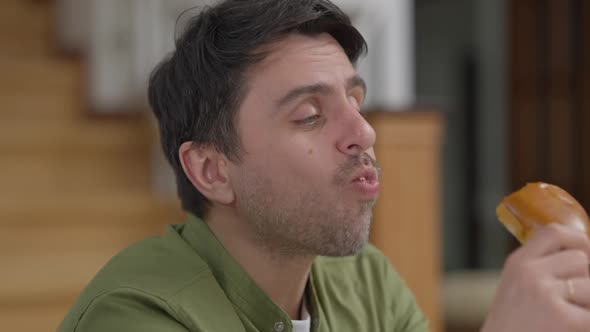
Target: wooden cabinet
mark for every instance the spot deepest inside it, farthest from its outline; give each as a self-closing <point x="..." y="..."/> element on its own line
<point x="406" y="225"/>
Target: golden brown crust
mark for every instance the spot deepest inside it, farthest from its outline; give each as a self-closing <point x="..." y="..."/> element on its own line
<point x="540" y="204"/>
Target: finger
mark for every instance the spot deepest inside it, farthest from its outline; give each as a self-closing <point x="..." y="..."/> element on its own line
<point x="577" y="291"/>
<point x="565" y="264"/>
<point x="576" y="318"/>
<point x="556" y="237"/>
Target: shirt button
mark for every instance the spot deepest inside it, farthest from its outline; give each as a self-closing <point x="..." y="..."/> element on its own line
<point x="279" y="326"/>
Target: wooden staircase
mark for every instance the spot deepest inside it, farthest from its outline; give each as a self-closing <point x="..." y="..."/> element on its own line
<point x="74" y="188"/>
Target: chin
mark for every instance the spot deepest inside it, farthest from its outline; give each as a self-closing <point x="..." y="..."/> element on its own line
<point x="349" y="240"/>
<point x="350" y="249"/>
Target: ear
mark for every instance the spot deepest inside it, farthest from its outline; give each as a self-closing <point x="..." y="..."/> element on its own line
<point x="207" y="170"/>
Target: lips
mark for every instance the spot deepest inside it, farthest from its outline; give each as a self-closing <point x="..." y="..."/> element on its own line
<point x="366" y="176"/>
<point x="366" y="182"/>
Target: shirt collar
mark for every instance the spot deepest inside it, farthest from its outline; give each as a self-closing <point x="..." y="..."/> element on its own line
<point x="240" y="289"/>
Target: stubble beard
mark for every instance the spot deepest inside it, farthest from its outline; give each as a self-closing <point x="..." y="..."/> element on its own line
<point x="288" y="223"/>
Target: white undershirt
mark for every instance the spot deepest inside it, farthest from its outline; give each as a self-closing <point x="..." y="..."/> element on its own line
<point x="305" y="324"/>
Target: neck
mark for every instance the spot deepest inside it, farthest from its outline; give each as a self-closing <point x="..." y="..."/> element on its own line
<point x="282" y="278"/>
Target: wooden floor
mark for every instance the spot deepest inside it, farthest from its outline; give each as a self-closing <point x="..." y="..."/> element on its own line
<point x="74" y="189"/>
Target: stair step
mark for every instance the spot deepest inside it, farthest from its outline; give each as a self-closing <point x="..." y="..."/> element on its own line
<point x="93" y="208"/>
<point x="60" y="259"/>
<point x="26" y="37"/>
<point x="29" y="318"/>
<point x="75" y="173"/>
<point x="75" y="134"/>
<point x="29" y="76"/>
<point x="47" y="276"/>
<point x="24" y="108"/>
<point x="48" y="238"/>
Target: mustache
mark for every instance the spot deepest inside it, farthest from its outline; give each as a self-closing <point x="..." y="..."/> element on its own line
<point x="352" y="165"/>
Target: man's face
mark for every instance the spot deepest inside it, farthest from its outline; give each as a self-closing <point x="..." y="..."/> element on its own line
<point x="307" y="180"/>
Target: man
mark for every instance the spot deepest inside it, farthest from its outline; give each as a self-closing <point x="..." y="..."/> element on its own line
<point x="259" y="111"/>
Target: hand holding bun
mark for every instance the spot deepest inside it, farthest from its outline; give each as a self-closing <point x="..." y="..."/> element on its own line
<point x="545" y="283"/>
<point x="538" y="204"/>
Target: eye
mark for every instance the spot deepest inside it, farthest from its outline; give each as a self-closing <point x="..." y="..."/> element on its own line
<point x="309" y="114"/>
<point x="356" y="102"/>
<point x="310" y="120"/>
<point x="357" y="97"/>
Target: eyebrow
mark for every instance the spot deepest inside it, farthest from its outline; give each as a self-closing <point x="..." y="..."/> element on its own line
<point x="321" y="88"/>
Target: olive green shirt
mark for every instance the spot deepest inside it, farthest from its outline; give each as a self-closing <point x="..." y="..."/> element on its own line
<point x="185" y="280"/>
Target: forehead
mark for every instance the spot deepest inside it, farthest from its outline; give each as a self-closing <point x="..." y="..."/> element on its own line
<point x="299" y="59"/>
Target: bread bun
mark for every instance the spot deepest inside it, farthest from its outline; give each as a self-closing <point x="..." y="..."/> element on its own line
<point x="539" y="204"/>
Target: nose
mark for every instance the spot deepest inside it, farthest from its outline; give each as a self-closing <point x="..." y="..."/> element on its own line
<point x="357" y="135"/>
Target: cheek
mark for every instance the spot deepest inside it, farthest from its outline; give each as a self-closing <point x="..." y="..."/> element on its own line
<point x="308" y="166"/>
<point x="289" y="158"/>
<point x="310" y="154"/>
<point x="291" y="168"/>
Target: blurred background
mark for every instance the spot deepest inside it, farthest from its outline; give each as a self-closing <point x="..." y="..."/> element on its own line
<point x="477" y="96"/>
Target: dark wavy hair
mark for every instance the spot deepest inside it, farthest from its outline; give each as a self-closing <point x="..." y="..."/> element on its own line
<point x="196" y="91"/>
